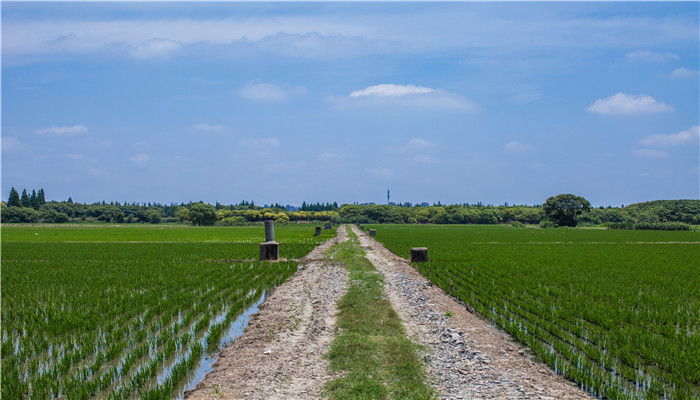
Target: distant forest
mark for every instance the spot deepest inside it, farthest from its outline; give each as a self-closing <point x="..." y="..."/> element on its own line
<point x="33" y="208"/>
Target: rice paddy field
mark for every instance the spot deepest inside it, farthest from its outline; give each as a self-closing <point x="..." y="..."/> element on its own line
<point x="118" y="312"/>
<point x="617" y="312"/>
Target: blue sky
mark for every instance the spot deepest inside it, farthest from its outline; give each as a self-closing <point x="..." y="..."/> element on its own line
<point x="291" y="102"/>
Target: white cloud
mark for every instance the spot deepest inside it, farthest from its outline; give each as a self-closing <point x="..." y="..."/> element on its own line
<point x="647" y="153"/>
<point x="683" y="72"/>
<point x="80" y="36"/>
<point x="206" y="127"/>
<point x="351" y="32"/>
<point x="263" y="142"/>
<point x="75" y="156"/>
<point x="141" y="159"/>
<point x="154" y="48"/>
<point x="391" y="90"/>
<point x="419" y="143"/>
<point x="63" y="130"/>
<point x="323" y="36"/>
<point x="10" y="143"/>
<point x="381" y="172"/>
<point x="517" y="147"/>
<point x="390" y="95"/>
<point x="648" y="55"/>
<point x="683" y="137"/>
<point x="328" y="156"/>
<point x="625" y="104"/>
<point x="270" y="91"/>
<point x="425" y="159"/>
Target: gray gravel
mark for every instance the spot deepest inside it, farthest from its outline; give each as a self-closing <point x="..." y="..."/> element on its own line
<point x="465" y="357"/>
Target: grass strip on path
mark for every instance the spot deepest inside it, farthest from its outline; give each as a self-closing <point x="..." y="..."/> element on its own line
<point x="378" y="360"/>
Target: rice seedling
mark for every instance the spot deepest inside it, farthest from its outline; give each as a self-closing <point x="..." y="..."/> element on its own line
<point x="111" y="312"/>
<point x="617" y="312"/>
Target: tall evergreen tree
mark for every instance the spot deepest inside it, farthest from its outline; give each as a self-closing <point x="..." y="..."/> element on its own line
<point x="25" y="199"/>
<point x="34" y="200"/>
<point x="42" y="197"/>
<point x="13" y="200"/>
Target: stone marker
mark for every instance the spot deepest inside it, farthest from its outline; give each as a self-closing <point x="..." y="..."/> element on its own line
<point x="419" y="254"/>
<point x="328" y="226"/>
<point x="362" y="227"/>
<point x="372" y="232"/>
<point x="269" y="231"/>
<point x="269" y="251"/>
<point x="318" y="231"/>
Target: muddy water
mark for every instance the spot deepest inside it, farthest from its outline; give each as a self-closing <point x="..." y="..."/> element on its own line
<point x="206" y="362"/>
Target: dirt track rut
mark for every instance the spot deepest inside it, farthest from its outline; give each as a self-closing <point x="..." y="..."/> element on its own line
<point x="280" y="354"/>
<point x="466" y="357"/>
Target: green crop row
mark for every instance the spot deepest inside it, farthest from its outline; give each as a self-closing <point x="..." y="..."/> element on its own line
<point x="103" y="312"/>
<point x="157" y="233"/>
<point x="617" y="312"/>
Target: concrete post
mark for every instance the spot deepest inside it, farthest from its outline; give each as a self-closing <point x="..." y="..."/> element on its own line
<point x="318" y="231"/>
<point x="372" y="232"/>
<point x="270" y="231"/>
<point x="419" y="254"/>
<point x="269" y="251"/>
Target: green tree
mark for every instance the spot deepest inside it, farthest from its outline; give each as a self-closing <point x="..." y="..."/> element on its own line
<point x="25" y="199"/>
<point x="563" y="209"/>
<point x="110" y="214"/>
<point x="20" y="215"/>
<point x="202" y="214"/>
<point x="154" y="216"/>
<point x="13" y="200"/>
<point x="41" y="196"/>
<point x="183" y="214"/>
<point x="34" y="200"/>
<point x="487" y="216"/>
<point x="61" y="218"/>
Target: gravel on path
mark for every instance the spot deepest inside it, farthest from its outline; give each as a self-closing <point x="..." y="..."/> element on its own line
<point x="280" y="354"/>
<point x="466" y="358"/>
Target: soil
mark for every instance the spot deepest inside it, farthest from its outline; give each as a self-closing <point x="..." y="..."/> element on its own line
<point x="280" y="354"/>
<point x="466" y="357"/>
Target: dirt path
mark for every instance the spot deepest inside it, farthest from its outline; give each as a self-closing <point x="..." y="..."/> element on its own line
<point x="465" y="356"/>
<point x="280" y="354"/>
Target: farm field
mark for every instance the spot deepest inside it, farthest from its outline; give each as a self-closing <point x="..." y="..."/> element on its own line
<point x="617" y="312"/>
<point x="127" y="312"/>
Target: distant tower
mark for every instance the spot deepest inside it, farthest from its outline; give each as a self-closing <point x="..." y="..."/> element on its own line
<point x="388" y="197"/>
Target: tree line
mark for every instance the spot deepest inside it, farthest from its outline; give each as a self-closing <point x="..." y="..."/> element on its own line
<point x="562" y="211"/>
<point x="318" y="207"/>
<point x="35" y="200"/>
<point x="33" y="208"/>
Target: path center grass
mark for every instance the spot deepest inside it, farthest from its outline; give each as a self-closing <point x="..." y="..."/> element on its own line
<point x="379" y="361"/>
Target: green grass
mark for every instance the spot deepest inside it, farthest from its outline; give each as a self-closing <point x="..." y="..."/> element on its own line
<point x="617" y="312"/>
<point x="378" y="361"/>
<point x="108" y="311"/>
